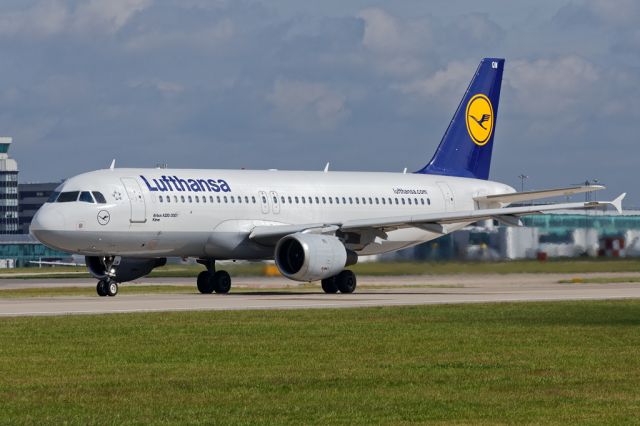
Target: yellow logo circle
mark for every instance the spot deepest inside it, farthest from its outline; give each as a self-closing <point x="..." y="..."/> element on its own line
<point x="479" y="119"/>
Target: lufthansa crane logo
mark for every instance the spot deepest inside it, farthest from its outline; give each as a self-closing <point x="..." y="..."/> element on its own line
<point x="480" y="119"/>
<point x="103" y="217"/>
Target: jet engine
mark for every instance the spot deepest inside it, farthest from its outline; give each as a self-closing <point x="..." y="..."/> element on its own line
<point x="310" y="257"/>
<point x="122" y="269"/>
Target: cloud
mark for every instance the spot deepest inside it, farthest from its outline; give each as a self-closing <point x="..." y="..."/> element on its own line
<point x="449" y="80"/>
<point x="619" y="13"/>
<point x="106" y="16"/>
<point x="43" y="19"/>
<point x="306" y="105"/>
<point x="47" y="18"/>
<point x="203" y="38"/>
<point x="549" y="87"/>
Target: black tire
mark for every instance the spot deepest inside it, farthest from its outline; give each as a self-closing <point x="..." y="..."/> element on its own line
<point x="346" y="281"/>
<point x="112" y="288"/>
<point x="329" y="285"/>
<point x="222" y="282"/>
<point x="205" y="284"/>
<point x="101" y="288"/>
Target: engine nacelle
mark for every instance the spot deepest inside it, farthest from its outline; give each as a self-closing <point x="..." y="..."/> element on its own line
<point x="122" y="269"/>
<point x="310" y="257"/>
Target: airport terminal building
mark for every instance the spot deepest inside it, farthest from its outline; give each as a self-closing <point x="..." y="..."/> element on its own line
<point x="542" y="236"/>
<point x="18" y="204"/>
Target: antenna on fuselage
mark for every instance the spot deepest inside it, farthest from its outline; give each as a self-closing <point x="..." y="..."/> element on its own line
<point x="326" y="168"/>
<point x="113" y="164"/>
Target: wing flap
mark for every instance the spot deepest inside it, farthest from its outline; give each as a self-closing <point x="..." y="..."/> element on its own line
<point x="517" y="197"/>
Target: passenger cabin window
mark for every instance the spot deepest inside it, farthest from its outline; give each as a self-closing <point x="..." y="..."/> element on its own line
<point x="67" y="197"/>
<point x="160" y="198"/>
<point x="99" y="197"/>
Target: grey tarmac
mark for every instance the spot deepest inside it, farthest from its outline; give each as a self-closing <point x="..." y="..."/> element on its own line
<point x="372" y="291"/>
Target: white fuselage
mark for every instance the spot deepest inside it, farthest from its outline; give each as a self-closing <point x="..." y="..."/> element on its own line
<point x="210" y="213"/>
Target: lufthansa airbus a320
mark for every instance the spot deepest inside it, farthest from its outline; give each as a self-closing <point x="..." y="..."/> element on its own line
<point x="314" y="224"/>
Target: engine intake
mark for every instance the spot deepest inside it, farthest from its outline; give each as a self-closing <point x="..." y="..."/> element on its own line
<point x="122" y="269"/>
<point x="310" y="257"/>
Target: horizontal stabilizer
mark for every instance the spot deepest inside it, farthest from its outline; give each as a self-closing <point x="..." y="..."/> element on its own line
<point x="617" y="203"/>
<point x="517" y="197"/>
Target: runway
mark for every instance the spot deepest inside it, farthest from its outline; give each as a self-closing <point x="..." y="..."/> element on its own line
<point x="278" y="293"/>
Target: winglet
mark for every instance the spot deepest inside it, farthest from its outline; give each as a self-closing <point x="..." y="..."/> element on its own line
<point x="617" y="203"/>
<point x="113" y="164"/>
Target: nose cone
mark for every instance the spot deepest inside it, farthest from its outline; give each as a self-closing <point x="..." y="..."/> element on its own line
<point x="46" y="223"/>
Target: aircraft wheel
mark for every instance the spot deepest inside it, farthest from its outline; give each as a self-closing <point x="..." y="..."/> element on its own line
<point x="329" y="285"/>
<point x="346" y="281"/>
<point x="112" y="288"/>
<point x="101" y="288"/>
<point x="205" y="284"/>
<point x="221" y="282"/>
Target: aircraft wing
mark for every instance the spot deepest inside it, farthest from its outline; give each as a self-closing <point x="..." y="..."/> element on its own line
<point x="435" y="222"/>
<point x="517" y="197"/>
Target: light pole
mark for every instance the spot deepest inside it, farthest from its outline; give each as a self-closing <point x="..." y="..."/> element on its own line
<point x="522" y="178"/>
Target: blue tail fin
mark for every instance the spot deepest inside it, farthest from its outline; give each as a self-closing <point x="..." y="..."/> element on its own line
<point x="465" y="149"/>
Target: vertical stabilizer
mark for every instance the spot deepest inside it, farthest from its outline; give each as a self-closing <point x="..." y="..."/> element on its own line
<point x="465" y="149"/>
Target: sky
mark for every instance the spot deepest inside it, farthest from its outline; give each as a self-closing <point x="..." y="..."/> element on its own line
<point x="287" y="84"/>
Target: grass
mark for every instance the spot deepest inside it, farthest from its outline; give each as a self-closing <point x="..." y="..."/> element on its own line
<point x="531" y="363"/>
<point x="372" y="268"/>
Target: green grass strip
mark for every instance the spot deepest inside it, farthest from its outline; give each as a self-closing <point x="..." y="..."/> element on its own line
<point x="529" y="363"/>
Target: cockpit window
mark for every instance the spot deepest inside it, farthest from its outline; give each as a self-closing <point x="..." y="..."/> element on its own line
<point x="53" y="197"/>
<point x="67" y="197"/>
<point x="85" y="197"/>
<point x="99" y="197"/>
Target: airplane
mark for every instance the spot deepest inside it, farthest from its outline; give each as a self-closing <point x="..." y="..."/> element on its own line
<point x="314" y="224"/>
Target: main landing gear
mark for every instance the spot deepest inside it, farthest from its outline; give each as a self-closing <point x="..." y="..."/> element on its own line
<point x="345" y="282"/>
<point x="107" y="287"/>
<point x="212" y="280"/>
